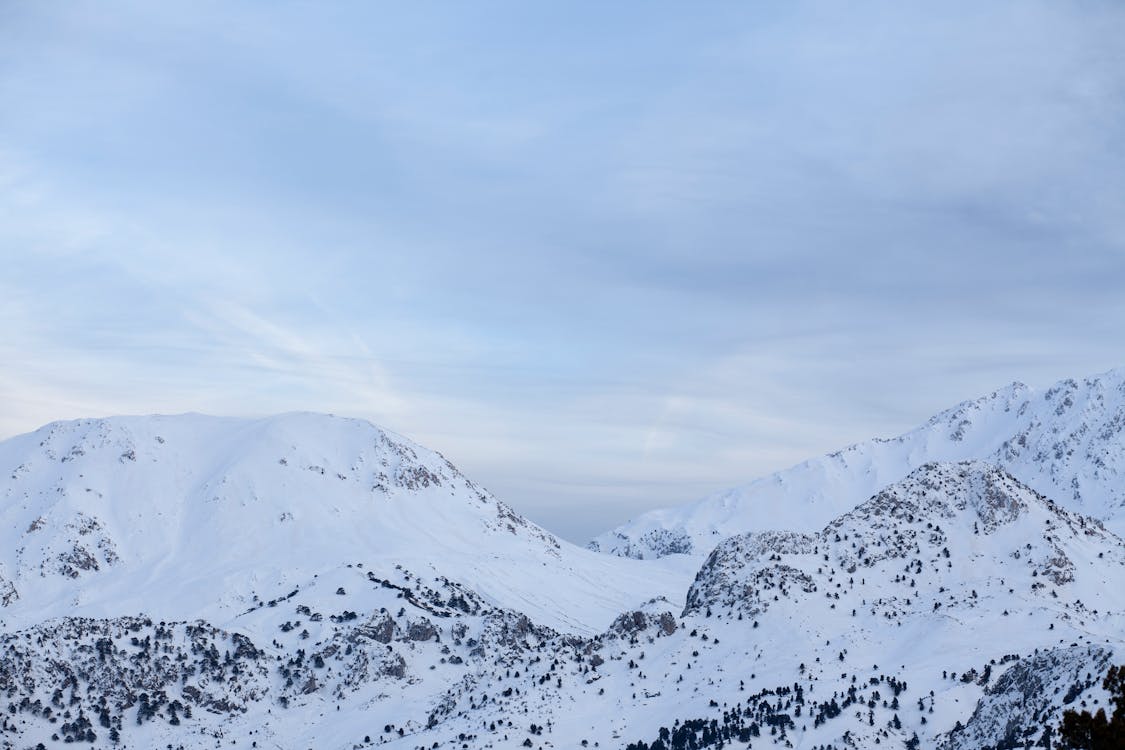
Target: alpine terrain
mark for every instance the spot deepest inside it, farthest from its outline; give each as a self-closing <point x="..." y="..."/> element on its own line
<point x="307" y="581"/>
<point x="1067" y="442"/>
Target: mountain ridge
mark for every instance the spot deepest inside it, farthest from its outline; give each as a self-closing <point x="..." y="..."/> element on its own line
<point x="162" y="597"/>
<point x="1065" y="441"/>
<point x="97" y="512"/>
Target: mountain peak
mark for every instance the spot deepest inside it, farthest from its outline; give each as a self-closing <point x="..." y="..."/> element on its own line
<point x="991" y="495"/>
<point x="940" y="530"/>
<point x="97" y="510"/>
<point x="1065" y="441"/>
<point x="197" y="577"/>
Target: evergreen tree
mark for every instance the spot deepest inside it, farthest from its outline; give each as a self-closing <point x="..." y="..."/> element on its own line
<point x="1081" y="731"/>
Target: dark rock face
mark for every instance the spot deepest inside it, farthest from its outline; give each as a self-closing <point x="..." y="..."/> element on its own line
<point x="631" y="624"/>
<point x="395" y="667"/>
<point x="1024" y="700"/>
<point x="381" y="628"/>
<point x="667" y="623"/>
<point x="422" y="630"/>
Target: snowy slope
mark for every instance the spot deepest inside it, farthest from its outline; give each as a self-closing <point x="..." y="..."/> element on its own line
<point x="193" y="517"/>
<point x="957" y="606"/>
<point x="308" y="581"/>
<point x="895" y="620"/>
<point x="1067" y="442"/>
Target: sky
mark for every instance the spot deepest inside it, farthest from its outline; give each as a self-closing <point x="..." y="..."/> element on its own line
<point x="605" y="257"/>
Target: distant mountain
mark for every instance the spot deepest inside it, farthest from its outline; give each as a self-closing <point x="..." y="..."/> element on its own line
<point x="1067" y="442"/>
<point x="194" y="517"/>
<point x="308" y="581"/>
<point x="956" y="587"/>
<point x="956" y="608"/>
<point x="965" y="538"/>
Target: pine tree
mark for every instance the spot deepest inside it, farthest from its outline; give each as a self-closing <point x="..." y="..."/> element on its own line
<point x="1081" y="731"/>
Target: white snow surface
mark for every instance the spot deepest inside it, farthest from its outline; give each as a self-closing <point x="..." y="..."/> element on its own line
<point x="306" y="581"/>
<point x="1066" y="441"/>
<point x="955" y="597"/>
<point x="192" y="516"/>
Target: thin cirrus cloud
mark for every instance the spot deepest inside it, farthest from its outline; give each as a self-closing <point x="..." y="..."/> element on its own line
<point x="603" y="257"/>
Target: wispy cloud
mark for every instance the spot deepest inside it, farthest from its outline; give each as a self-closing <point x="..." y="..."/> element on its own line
<point x="605" y="258"/>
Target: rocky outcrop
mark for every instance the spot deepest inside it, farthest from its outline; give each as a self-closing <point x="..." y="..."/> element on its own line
<point x="1025" y="703"/>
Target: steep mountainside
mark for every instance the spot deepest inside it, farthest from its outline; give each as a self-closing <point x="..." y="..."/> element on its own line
<point x="941" y="600"/>
<point x="956" y="608"/>
<point x="1067" y="442"/>
<point x="193" y="517"/>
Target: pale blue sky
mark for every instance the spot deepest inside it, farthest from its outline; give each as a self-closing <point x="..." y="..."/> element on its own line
<point x="604" y="256"/>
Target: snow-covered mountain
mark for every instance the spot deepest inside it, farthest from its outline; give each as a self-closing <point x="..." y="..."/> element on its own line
<point x="190" y="517"/>
<point x="957" y="608"/>
<point x="1067" y="442"/>
<point x="308" y="581"/>
<point x="942" y="582"/>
